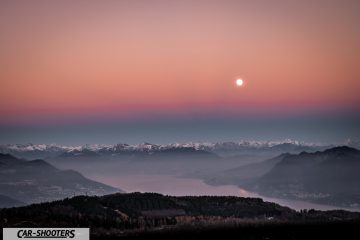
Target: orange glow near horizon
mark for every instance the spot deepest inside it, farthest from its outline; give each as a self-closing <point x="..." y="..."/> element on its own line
<point x="126" y="58"/>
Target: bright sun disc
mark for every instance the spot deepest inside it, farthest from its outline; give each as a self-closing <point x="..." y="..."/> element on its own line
<point x="239" y="82"/>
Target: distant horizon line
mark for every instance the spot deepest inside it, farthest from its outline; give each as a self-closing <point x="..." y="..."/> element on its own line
<point x="273" y="142"/>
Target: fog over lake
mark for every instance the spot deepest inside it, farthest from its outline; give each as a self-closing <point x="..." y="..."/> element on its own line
<point x="179" y="186"/>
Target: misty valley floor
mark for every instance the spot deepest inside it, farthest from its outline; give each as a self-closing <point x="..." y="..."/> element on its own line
<point x="184" y="186"/>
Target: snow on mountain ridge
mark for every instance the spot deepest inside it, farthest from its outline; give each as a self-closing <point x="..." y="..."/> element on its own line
<point x="145" y="146"/>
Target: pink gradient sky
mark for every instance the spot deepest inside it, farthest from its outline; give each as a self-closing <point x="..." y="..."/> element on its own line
<point x="131" y="59"/>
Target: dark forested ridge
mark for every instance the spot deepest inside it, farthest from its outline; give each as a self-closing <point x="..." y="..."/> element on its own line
<point x="148" y="213"/>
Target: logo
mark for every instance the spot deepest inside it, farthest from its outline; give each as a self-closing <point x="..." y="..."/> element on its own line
<point x="46" y="233"/>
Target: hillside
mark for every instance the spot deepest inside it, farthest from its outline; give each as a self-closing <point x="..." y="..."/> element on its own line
<point x="244" y="175"/>
<point x="6" y="202"/>
<point x="328" y="177"/>
<point x="38" y="181"/>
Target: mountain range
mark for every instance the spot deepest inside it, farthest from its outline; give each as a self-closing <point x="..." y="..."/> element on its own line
<point x="186" y="159"/>
<point x="298" y="171"/>
<point x="45" y="151"/>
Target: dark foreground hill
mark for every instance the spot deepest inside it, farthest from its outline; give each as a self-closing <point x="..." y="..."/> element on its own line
<point x="152" y="214"/>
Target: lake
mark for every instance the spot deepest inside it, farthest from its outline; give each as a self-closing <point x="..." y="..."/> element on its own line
<point x="179" y="186"/>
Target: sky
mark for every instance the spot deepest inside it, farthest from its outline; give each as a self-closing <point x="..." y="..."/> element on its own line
<point x="165" y="70"/>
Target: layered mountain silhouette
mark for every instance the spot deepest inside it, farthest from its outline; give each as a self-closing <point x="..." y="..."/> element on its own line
<point x="329" y="177"/>
<point x="186" y="159"/>
<point x="38" y="181"/>
<point x="224" y="149"/>
<point x="246" y="174"/>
